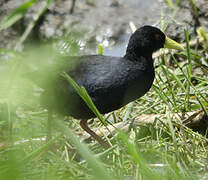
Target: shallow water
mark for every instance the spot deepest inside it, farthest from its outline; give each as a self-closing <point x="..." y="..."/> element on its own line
<point x="149" y="10"/>
<point x="119" y="48"/>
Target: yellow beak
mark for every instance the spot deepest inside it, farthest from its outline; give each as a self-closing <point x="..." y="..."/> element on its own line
<point x="171" y="44"/>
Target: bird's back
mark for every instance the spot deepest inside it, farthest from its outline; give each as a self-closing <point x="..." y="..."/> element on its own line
<point x="110" y="81"/>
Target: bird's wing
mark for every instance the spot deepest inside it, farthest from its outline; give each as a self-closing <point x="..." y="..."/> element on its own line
<point x="101" y="74"/>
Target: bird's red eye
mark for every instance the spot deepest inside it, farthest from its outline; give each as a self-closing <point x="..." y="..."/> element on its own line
<point x="158" y="37"/>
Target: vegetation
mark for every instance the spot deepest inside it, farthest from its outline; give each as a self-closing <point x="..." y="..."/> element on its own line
<point x="148" y="151"/>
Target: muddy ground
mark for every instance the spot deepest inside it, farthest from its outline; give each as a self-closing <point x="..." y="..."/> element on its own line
<point x="101" y="21"/>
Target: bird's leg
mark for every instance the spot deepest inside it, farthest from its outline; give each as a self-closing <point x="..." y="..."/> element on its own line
<point x="49" y="125"/>
<point x="84" y="125"/>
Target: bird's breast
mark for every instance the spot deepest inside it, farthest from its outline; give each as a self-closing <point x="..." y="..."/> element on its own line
<point x="138" y="86"/>
<point x="127" y="85"/>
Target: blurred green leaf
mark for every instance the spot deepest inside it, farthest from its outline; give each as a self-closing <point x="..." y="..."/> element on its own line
<point x="170" y="4"/>
<point x="204" y="36"/>
<point x="98" y="168"/>
<point x="16" y="14"/>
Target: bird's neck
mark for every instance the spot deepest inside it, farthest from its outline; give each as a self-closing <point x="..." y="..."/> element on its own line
<point x="136" y="55"/>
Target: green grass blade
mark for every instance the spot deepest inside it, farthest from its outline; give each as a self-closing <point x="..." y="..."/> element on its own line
<point x="32" y="24"/>
<point x="194" y="8"/>
<point x="170" y="4"/>
<point x="100" y="49"/>
<point x="132" y="150"/>
<point x="98" y="169"/>
<point x="169" y="86"/>
<point x="16" y="15"/>
<point x="196" y="92"/>
<point x="85" y="96"/>
<point x="39" y="150"/>
<point x="189" y="68"/>
<point x="175" y="77"/>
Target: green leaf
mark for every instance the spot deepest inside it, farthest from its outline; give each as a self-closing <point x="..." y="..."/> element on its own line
<point x="85" y="96"/>
<point x="16" y="14"/>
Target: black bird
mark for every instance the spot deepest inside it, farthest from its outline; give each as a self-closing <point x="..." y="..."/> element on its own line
<point x="111" y="82"/>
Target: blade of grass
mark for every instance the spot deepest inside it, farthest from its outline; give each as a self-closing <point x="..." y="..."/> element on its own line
<point x="160" y="91"/>
<point x="164" y="23"/>
<point x="172" y="131"/>
<point x="16" y="15"/>
<point x="85" y="96"/>
<point x="39" y="150"/>
<point x="100" y="49"/>
<point x="194" y="8"/>
<point x="98" y="168"/>
<point x="178" y="2"/>
<point x="164" y="68"/>
<point x="132" y="26"/>
<point x="196" y="92"/>
<point x="189" y="68"/>
<point x="204" y="36"/>
<point x="137" y="157"/>
<point x="175" y="77"/>
<point x="170" y="4"/>
<point x="32" y="24"/>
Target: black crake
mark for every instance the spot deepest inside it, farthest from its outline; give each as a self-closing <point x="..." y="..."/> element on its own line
<point x="111" y="82"/>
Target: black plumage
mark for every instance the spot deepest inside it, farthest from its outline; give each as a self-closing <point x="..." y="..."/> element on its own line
<point x="111" y="82"/>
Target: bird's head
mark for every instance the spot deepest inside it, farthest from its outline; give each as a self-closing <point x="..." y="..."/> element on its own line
<point x="147" y="39"/>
